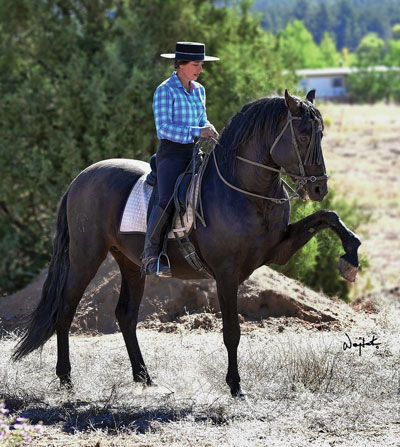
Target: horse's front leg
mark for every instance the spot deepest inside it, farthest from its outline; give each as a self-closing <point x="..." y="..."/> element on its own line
<point x="227" y="289"/>
<point x="299" y="233"/>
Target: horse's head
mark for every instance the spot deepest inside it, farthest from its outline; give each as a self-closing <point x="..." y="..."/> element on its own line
<point x="297" y="147"/>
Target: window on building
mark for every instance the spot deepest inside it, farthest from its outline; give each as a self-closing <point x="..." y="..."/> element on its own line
<point x="337" y="82"/>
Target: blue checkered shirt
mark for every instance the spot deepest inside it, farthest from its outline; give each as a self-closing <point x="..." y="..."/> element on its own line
<point x="179" y="115"/>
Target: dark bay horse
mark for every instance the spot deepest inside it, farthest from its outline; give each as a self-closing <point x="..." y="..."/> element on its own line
<point x="246" y="208"/>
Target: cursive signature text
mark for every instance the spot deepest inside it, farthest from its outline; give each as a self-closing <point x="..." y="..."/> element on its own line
<point x="362" y="344"/>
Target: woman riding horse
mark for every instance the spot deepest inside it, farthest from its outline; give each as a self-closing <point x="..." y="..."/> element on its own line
<point x="180" y="116"/>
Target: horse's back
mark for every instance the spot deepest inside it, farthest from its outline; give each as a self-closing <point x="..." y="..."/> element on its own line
<point x="98" y="194"/>
<point x="114" y="173"/>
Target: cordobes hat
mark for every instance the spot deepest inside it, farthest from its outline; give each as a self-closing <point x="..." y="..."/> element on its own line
<point x="190" y="51"/>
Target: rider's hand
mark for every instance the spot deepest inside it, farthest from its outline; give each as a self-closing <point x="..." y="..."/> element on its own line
<point x="209" y="132"/>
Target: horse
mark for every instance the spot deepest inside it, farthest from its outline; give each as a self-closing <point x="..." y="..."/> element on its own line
<point x="245" y="205"/>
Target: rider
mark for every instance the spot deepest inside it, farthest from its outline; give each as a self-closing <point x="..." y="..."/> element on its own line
<point x="180" y="116"/>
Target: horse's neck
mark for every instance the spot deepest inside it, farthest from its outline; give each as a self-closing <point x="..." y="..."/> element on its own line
<point x="255" y="179"/>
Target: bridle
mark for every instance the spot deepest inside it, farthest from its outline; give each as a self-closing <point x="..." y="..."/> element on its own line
<point x="313" y="156"/>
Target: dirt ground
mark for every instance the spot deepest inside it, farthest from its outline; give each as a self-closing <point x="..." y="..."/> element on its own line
<point x="302" y="387"/>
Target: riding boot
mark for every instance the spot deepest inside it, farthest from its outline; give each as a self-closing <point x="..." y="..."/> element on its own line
<point x="156" y="228"/>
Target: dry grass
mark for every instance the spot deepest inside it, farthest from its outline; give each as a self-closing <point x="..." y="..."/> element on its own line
<point x="302" y="389"/>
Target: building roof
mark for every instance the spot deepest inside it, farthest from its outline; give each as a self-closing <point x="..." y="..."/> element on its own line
<point x="339" y="71"/>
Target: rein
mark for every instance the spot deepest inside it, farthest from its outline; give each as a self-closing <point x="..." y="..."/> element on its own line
<point x="301" y="179"/>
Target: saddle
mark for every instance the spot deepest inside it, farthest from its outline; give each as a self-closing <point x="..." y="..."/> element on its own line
<point x="186" y="194"/>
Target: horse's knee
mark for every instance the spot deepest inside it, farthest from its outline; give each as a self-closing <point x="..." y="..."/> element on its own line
<point x="331" y="216"/>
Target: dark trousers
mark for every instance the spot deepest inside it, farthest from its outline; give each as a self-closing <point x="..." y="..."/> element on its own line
<point x="172" y="159"/>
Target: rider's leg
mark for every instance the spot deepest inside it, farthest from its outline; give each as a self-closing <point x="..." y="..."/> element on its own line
<point x="172" y="160"/>
<point x="157" y="226"/>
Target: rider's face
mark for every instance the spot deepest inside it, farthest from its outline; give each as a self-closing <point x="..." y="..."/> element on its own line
<point x="191" y="71"/>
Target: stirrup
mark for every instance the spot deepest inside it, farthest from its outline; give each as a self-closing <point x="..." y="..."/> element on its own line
<point x="166" y="273"/>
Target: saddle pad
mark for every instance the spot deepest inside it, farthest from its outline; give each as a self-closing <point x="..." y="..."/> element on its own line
<point x="134" y="217"/>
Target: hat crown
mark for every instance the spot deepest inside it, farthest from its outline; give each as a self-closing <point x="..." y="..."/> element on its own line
<point x="190" y="48"/>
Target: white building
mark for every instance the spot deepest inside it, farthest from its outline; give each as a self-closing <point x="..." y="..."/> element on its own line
<point x="330" y="83"/>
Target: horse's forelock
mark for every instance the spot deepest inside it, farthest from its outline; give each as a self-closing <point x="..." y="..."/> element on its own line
<point x="310" y="112"/>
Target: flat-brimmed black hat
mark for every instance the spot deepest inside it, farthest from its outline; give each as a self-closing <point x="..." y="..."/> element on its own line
<point x="190" y="51"/>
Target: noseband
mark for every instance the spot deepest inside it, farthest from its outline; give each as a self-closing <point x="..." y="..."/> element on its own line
<point x="313" y="156"/>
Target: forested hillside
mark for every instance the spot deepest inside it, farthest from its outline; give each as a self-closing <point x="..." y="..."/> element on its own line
<point x="347" y="21"/>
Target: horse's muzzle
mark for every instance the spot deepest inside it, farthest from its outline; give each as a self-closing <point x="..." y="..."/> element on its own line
<point x="316" y="191"/>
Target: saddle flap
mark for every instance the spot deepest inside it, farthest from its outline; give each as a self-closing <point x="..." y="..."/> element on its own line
<point x="181" y="190"/>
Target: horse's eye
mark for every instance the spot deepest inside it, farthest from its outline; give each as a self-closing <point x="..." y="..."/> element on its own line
<point x="303" y="139"/>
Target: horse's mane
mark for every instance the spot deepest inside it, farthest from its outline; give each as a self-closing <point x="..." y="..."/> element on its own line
<point x="257" y="122"/>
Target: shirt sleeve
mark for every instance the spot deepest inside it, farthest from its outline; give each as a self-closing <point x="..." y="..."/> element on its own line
<point x="203" y="119"/>
<point x="163" y="102"/>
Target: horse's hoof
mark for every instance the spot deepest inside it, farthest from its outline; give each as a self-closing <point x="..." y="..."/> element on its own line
<point x="143" y="378"/>
<point x="238" y="394"/>
<point x="66" y="382"/>
<point x="347" y="270"/>
<point x="241" y="397"/>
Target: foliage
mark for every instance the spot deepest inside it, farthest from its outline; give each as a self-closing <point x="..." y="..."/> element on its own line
<point x="396" y="32"/>
<point x="330" y="57"/>
<point x="315" y="265"/>
<point x="370" y="84"/>
<point x="76" y="81"/>
<point x="15" y="432"/>
<point x="346" y="20"/>
<point x="370" y="50"/>
<point x="392" y="59"/>
<point x="297" y="47"/>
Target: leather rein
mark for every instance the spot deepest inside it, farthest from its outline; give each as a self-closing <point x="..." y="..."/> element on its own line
<point x="300" y="180"/>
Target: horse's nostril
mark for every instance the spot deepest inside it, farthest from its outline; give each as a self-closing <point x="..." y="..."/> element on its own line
<point x="317" y="190"/>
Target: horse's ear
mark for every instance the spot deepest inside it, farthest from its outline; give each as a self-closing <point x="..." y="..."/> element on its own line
<point x="311" y="96"/>
<point x="291" y="103"/>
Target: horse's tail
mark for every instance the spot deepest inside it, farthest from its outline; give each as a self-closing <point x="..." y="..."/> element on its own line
<point x="42" y="322"/>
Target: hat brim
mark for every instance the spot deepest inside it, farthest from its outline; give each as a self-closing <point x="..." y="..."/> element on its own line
<point x="205" y="59"/>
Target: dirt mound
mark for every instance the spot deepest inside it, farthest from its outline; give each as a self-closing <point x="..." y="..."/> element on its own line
<point x="265" y="294"/>
<point x="372" y="302"/>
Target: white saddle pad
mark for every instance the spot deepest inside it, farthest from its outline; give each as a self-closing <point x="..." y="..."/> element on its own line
<point x="134" y="217"/>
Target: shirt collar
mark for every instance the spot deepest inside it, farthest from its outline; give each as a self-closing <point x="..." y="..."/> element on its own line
<point x="177" y="83"/>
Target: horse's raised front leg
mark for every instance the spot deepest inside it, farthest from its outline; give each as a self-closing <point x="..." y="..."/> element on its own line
<point x="299" y="233"/>
<point x="127" y="310"/>
<point x="227" y="295"/>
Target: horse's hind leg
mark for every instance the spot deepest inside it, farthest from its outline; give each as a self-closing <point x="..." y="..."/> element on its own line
<point x="227" y="296"/>
<point x="82" y="269"/>
<point x="132" y="287"/>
